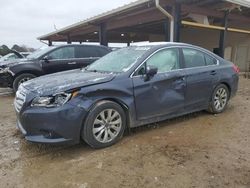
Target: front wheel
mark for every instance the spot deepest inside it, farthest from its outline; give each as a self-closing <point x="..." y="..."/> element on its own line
<point x="104" y="125"/>
<point x="219" y="99"/>
<point x="21" y="79"/>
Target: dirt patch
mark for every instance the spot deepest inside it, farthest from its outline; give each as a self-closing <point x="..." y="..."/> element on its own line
<point x="197" y="150"/>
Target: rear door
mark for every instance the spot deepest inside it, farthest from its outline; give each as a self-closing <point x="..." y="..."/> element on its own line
<point x="60" y="59"/>
<point x="164" y="93"/>
<point x="201" y="75"/>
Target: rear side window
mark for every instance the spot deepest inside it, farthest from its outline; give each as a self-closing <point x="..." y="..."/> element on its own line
<point x="210" y="60"/>
<point x="63" y="53"/>
<point x="193" y="58"/>
<point x="89" y="51"/>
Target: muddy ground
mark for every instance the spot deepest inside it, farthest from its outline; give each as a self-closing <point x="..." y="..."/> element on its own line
<point x="198" y="150"/>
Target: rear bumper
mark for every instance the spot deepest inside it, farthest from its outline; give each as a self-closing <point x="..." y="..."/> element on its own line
<point x="234" y="85"/>
<point x="52" y="125"/>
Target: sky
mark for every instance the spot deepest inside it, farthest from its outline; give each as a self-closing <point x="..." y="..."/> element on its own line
<point x="22" y="21"/>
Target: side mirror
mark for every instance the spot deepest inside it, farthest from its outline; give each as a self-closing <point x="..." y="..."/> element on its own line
<point x="46" y="59"/>
<point x="150" y="72"/>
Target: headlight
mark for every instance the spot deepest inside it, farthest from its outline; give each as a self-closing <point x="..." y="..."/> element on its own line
<point x="52" y="101"/>
<point x="4" y="70"/>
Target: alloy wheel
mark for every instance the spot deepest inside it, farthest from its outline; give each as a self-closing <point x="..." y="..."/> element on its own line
<point x="24" y="80"/>
<point x="220" y="99"/>
<point x="107" y="125"/>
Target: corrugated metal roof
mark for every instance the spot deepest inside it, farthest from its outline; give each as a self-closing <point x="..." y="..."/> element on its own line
<point x="245" y="3"/>
<point x="103" y="15"/>
<point x="119" y="10"/>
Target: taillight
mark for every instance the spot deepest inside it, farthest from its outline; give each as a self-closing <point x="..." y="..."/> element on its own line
<point x="236" y="69"/>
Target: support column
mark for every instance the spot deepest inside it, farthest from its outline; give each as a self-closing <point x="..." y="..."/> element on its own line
<point x="68" y="39"/>
<point x="50" y="43"/>
<point x="103" y="34"/>
<point x="223" y="35"/>
<point x="177" y="21"/>
<point x="166" y="26"/>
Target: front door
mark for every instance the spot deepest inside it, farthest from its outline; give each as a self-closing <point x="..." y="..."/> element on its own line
<point x="60" y="59"/>
<point x="164" y="92"/>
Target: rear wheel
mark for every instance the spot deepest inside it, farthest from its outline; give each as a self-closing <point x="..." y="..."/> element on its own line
<point x="104" y="125"/>
<point x="219" y="99"/>
<point x="21" y="79"/>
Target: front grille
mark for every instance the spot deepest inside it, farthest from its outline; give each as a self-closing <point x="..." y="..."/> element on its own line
<point x="20" y="98"/>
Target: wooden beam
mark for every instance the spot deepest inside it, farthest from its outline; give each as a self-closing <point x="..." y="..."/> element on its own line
<point x="239" y="30"/>
<point x="202" y="25"/>
<point x="215" y="27"/>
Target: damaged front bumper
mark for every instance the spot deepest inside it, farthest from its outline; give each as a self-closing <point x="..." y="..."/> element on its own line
<point x="6" y="78"/>
<point x="51" y="125"/>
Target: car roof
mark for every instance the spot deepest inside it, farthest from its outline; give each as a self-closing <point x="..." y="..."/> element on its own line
<point x="98" y="46"/>
<point x="158" y="45"/>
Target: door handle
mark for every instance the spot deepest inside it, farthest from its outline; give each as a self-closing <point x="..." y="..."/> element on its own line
<point x="71" y="63"/>
<point x="180" y="79"/>
<point x="213" y="72"/>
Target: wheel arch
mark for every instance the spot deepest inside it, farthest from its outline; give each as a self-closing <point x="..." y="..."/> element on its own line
<point x="36" y="73"/>
<point x="228" y="87"/>
<point x="122" y="104"/>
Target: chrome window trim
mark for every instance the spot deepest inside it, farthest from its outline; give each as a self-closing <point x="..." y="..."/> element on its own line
<point x="217" y="61"/>
<point x="84" y="58"/>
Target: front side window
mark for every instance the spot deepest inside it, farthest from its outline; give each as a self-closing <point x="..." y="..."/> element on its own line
<point x="193" y="58"/>
<point x="165" y="60"/>
<point x="63" y="53"/>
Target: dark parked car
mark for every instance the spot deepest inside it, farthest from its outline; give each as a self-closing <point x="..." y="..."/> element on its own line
<point x="12" y="56"/>
<point x="127" y="88"/>
<point x="49" y="60"/>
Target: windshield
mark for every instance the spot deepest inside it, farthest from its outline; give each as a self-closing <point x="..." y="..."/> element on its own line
<point x="39" y="53"/>
<point x="118" y="61"/>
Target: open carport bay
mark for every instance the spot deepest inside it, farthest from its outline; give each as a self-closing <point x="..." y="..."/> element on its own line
<point x="197" y="150"/>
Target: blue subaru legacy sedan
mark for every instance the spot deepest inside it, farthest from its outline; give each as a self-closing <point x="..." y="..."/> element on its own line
<point x="127" y="88"/>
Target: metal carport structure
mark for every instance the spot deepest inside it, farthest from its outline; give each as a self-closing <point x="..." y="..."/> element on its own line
<point x="140" y="20"/>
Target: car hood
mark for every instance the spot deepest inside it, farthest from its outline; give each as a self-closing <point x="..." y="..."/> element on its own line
<point x="63" y="81"/>
<point x="11" y="63"/>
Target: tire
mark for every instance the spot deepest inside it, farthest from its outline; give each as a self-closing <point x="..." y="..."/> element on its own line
<point x="99" y="130"/>
<point x="20" y="79"/>
<point x="219" y="99"/>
